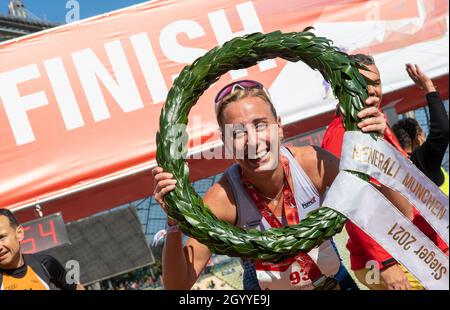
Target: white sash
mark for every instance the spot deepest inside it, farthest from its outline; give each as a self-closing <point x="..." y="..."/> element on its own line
<point x="372" y="212"/>
<point x="383" y="162"/>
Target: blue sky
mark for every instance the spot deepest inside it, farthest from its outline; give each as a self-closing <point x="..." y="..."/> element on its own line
<point x="55" y="10"/>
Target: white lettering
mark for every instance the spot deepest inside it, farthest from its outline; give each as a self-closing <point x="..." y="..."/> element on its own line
<point x="91" y="70"/>
<point x="173" y="50"/>
<point x="73" y="272"/>
<point x="64" y="94"/>
<point x="373" y="275"/>
<point x="73" y="14"/>
<point x="251" y="23"/>
<point x="16" y="106"/>
<point x="150" y="67"/>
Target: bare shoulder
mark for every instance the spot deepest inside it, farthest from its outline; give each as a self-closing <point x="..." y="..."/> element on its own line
<point x="320" y="165"/>
<point x="311" y="155"/>
<point x="305" y="155"/>
<point x="220" y="200"/>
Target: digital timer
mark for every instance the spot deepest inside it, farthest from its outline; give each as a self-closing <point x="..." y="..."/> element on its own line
<point x="44" y="233"/>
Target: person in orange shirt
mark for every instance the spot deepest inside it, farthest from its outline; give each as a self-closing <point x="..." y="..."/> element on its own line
<point x="27" y="271"/>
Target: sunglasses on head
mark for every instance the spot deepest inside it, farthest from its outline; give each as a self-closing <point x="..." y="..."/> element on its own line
<point x="230" y="88"/>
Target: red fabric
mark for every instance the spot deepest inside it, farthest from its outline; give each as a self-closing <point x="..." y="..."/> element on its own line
<point x="309" y="267"/>
<point x="334" y="137"/>
<point x="362" y="247"/>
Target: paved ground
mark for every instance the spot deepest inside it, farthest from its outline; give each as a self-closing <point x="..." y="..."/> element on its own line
<point x="205" y="284"/>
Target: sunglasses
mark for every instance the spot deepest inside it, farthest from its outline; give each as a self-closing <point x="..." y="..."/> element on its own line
<point x="230" y="88"/>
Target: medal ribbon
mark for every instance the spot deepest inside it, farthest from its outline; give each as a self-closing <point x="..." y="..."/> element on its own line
<point x="290" y="210"/>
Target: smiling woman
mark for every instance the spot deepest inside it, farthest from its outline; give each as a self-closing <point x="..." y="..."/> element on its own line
<point x="240" y="53"/>
<point x="256" y="139"/>
<point x="290" y="246"/>
<point x="248" y="195"/>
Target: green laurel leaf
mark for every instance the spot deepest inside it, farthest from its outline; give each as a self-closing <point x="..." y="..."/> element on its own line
<point x="187" y="207"/>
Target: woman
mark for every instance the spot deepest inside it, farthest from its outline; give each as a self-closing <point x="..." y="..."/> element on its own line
<point x="269" y="186"/>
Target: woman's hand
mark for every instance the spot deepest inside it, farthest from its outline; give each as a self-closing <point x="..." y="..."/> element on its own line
<point x="164" y="184"/>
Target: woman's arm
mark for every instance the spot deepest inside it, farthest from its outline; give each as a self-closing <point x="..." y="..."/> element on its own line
<point x="428" y="157"/>
<point x="182" y="265"/>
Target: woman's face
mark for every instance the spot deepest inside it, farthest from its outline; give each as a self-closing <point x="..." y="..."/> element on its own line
<point x="252" y="133"/>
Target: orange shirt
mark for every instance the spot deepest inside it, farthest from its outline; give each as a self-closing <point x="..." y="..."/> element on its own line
<point x="30" y="281"/>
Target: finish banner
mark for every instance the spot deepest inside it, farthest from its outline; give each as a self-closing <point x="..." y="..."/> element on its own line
<point x="80" y="103"/>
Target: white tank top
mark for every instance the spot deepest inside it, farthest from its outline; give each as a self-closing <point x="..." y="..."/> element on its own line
<point x="307" y="199"/>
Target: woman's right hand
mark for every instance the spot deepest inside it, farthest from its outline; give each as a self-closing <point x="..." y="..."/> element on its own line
<point x="164" y="184"/>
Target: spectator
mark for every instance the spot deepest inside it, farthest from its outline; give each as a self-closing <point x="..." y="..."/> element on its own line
<point x="26" y="271"/>
<point x="426" y="153"/>
<point x="363" y="248"/>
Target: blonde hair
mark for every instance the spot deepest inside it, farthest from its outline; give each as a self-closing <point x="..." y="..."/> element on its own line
<point x="239" y="94"/>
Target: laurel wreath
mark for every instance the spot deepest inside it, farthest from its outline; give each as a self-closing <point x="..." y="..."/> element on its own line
<point x="187" y="207"/>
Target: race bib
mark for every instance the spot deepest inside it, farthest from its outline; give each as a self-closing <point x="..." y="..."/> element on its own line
<point x="292" y="274"/>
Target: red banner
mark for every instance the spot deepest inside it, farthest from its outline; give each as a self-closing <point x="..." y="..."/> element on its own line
<point x="80" y="104"/>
